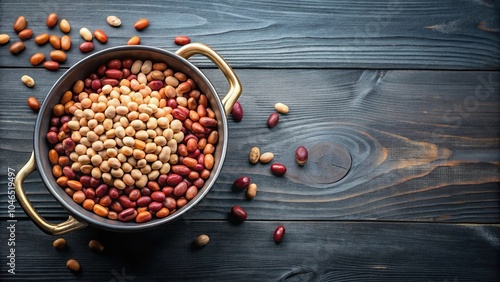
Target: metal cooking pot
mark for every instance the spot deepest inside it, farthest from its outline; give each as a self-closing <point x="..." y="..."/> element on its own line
<point x="79" y="217"/>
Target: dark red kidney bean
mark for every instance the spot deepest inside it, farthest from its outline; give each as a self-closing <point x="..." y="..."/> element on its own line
<point x="199" y="167"/>
<point x="155" y="85"/>
<point x="201" y="158"/>
<point x="105" y="201"/>
<point x="180" y="169"/>
<point x="180" y="189"/>
<point x="273" y="119"/>
<point x="65" y="119"/>
<point x="102" y="70"/>
<point x="111" y="81"/>
<point x="86" y="47"/>
<point x="134" y="194"/>
<point x="237" y="111"/>
<point x="144" y="201"/>
<point x="127" y="190"/>
<point x="172" y="103"/>
<point x="127" y="63"/>
<point x="116" y="206"/>
<point x="126" y="73"/>
<point x="145" y="191"/>
<point x="54" y="129"/>
<point x="55" y="121"/>
<point x="238" y="213"/>
<point x="301" y="155"/>
<point x="155" y="206"/>
<point x="95" y="84"/>
<point x="52" y="137"/>
<point x="114" y="192"/>
<point x="90" y="193"/>
<point x="208" y="122"/>
<point x="278" y="234"/>
<point x="59" y="148"/>
<point x="114" y="73"/>
<point x="131" y="77"/>
<point x="158" y="196"/>
<point x="199" y="182"/>
<point x="88" y="82"/>
<point x="68" y="144"/>
<point x="126" y="202"/>
<point x="101" y="190"/>
<point x="69" y="173"/>
<point x="127" y="215"/>
<point x="179" y="114"/>
<point x="93" y="76"/>
<point x="162" y="180"/>
<point x="174" y="179"/>
<point x="94" y="182"/>
<point x="278" y="169"/>
<point x="194" y="154"/>
<point x="170" y="203"/>
<point x="168" y="191"/>
<point x="115" y="64"/>
<point x="241" y="183"/>
<point x="85" y="180"/>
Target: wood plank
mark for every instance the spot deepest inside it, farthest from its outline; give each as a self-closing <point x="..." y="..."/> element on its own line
<point x="424" y="144"/>
<point x="310" y="251"/>
<point x="269" y="34"/>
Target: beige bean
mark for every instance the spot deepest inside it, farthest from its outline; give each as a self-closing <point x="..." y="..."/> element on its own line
<point x="86" y="34"/>
<point x="281" y="108"/>
<point x="113" y="21"/>
<point x="266" y="157"/>
<point x="28" y="80"/>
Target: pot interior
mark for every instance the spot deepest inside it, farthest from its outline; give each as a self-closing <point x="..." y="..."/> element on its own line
<point x="82" y="70"/>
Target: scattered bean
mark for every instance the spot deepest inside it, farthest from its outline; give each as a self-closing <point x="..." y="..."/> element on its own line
<point x="182" y="40"/>
<point x="86" y="34"/>
<point x="96" y="246"/>
<point x="20" y="24"/>
<point x="4" y="38"/>
<point x="281" y="108"/>
<point x="100" y="36"/>
<point x="16" y="47"/>
<point x="266" y="157"/>
<point x="59" y="243"/>
<point x="279" y="233"/>
<point x="51" y="65"/>
<point x="58" y="56"/>
<point x="301" y="155"/>
<point x="278" y="169"/>
<point x="141" y="24"/>
<point x="114" y="21"/>
<point x="241" y="183"/>
<point x="65" y="42"/>
<point x="238" y="213"/>
<point x="51" y="20"/>
<point x="65" y="26"/>
<point x="252" y="191"/>
<point x="201" y="240"/>
<point x="273" y="119"/>
<point x="42" y="38"/>
<point x="73" y="265"/>
<point x="254" y="156"/>
<point x="237" y="111"/>
<point x="55" y="41"/>
<point x="28" y="81"/>
<point x="86" y="47"/>
<point x="25" y="34"/>
<point x="134" y="40"/>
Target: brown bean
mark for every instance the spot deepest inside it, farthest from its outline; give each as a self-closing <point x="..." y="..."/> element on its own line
<point x="74" y="184"/>
<point x="79" y="197"/>
<point x="134" y="40"/>
<point x="96" y="246"/>
<point x="58" y="56"/>
<point x="86" y="47"/>
<point x="213" y="137"/>
<point x="141" y="24"/>
<point x="42" y="38"/>
<point x="59" y="243"/>
<point x="100" y="210"/>
<point x="33" y="104"/>
<point x="100" y="36"/>
<point x="273" y="119"/>
<point x="20" y="24"/>
<point x="237" y="111"/>
<point x="238" y="213"/>
<point x="163" y="212"/>
<point x="88" y="204"/>
<point x="182" y="40"/>
<point x="55" y="41"/>
<point x="37" y="58"/>
<point x="301" y="155"/>
<point x="65" y="42"/>
<point x="53" y="156"/>
<point x="51" y="20"/>
<point x="16" y="47"/>
<point x="143" y="216"/>
<point x="4" y="38"/>
<point x="209" y="161"/>
<point x="65" y="26"/>
<point x="252" y="191"/>
<point x="278" y="169"/>
<point x="191" y="192"/>
<point x="279" y="232"/>
<point x="73" y="265"/>
<point x="25" y="34"/>
<point x="201" y="240"/>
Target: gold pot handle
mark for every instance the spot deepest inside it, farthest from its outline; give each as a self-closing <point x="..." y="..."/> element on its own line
<point x="49" y="228"/>
<point x="234" y="83"/>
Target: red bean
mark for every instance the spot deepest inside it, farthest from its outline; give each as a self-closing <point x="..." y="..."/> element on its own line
<point x="126" y="202"/>
<point x="158" y="196"/>
<point x="301" y="155"/>
<point x="278" y="169"/>
<point x="237" y="111"/>
<point x="144" y="201"/>
<point x="238" y="213"/>
<point x="127" y="215"/>
<point x="273" y="119"/>
<point x="278" y="234"/>
<point x="180" y="189"/>
<point x="241" y="183"/>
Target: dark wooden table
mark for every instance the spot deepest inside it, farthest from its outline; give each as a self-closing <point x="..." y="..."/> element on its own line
<point x="409" y="89"/>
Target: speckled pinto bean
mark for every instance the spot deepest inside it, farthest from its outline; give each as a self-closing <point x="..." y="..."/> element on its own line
<point x="134" y="141"/>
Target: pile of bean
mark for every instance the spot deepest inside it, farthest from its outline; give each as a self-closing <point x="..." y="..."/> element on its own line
<point x="133" y="141"/>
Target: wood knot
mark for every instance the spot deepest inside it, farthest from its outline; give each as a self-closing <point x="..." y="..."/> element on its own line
<point x="328" y="163"/>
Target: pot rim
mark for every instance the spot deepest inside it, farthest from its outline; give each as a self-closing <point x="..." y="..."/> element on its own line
<point x="77" y="210"/>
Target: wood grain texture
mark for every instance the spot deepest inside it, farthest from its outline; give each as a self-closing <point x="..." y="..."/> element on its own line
<point x="424" y="145"/>
<point x="382" y="34"/>
<point x="310" y="251"/>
